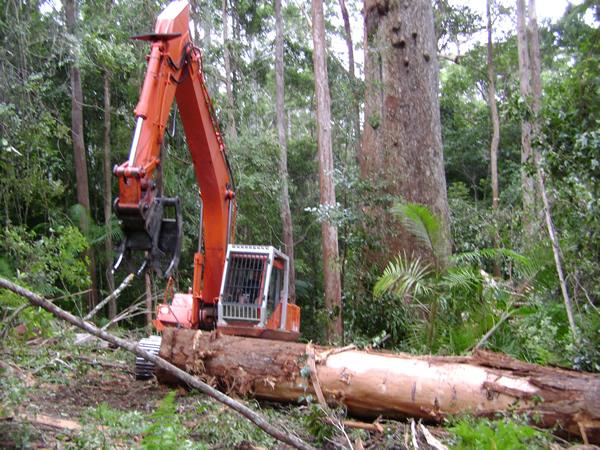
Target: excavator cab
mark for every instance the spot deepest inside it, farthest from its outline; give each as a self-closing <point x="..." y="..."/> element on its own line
<point x="254" y="294"/>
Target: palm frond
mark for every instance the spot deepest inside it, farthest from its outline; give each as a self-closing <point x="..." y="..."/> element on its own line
<point x="404" y="277"/>
<point x="419" y="221"/>
<point x="526" y="266"/>
<point x="467" y="278"/>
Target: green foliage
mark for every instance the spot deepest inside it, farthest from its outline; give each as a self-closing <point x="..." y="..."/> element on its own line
<point x="500" y="434"/>
<point x="103" y="426"/>
<point x="50" y="263"/>
<point x="422" y="224"/>
<point x="315" y="423"/>
<point x="166" y="430"/>
<point x="221" y="426"/>
<point x="404" y="277"/>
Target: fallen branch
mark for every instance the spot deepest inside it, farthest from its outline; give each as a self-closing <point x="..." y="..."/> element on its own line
<point x="373" y="427"/>
<point x="492" y="330"/>
<point x="431" y="440"/>
<point x="101" y="362"/>
<point x="126" y="282"/>
<point x="49" y="421"/>
<point x="12" y="317"/>
<point x="185" y="377"/>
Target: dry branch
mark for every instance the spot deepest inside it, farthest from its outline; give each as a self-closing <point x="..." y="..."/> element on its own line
<point x="113" y="296"/>
<point x="160" y="363"/>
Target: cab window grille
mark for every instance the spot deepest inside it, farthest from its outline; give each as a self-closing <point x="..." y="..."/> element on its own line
<point x="244" y="282"/>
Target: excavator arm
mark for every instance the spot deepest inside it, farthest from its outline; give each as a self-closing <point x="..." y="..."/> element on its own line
<point x="175" y="73"/>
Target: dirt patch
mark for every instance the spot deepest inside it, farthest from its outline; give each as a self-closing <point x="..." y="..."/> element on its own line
<point x="116" y="389"/>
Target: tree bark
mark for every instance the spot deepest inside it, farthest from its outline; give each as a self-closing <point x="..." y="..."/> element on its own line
<point x="285" y="212"/>
<point x="329" y="232"/>
<point x="165" y="367"/>
<point x="372" y="383"/>
<point x="350" y="47"/>
<point x="79" y="152"/>
<point x="108" y="197"/>
<point x="527" y="181"/>
<point x="536" y="104"/>
<point x="495" y="127"/>
<point x="231" y="126"/>
<point x="148" y="283"/>
<point x="402" y="154"/>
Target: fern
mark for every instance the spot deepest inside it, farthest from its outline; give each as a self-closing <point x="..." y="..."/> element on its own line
<point x="166" y="431"/>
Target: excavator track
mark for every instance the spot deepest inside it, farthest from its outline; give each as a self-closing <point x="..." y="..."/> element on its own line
<point x="145" y="369"/>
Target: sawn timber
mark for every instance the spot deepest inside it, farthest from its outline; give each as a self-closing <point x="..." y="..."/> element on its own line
<point x="373" y="383"/>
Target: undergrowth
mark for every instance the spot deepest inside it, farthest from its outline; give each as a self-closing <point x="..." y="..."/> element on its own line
<point x="506" y="433"/>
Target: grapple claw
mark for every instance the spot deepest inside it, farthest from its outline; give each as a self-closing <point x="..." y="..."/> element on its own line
<point x="156" y="231"/>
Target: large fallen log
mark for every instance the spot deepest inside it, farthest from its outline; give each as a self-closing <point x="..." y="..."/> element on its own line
<point x="373" y="383"/>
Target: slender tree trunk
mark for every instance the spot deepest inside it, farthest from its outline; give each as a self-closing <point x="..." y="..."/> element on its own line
<point x="350" y="47"/>
<point x="527" y="181"/>
<point x="329" y="232"/>
<point x="536" y="104"/>
<point x="231" y="126"/>
<point x="108" y="243"/>
<point x="149" y="307"/>
<point x="495" y="126"/>
<point x="286" y="214"/>
<point x="401" y="153"/>
<point x="79" y="153"/>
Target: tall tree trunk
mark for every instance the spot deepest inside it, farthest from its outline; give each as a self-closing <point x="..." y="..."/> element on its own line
<point x="231" y="125"/>
<point x="401" y="150"/>
<point x="329" y="233"/>
<point x="79" y="154"/>
<point x="286" y="214"/>
<point x="495" y="125"/>
<point x="350" y="47"/>
<point x="536" y="104"/>
<point x="108" y="243"/>
<point x="527" y="181"/>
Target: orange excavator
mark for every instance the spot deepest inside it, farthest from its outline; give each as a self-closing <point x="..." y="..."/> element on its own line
<point x="238" y="289"/>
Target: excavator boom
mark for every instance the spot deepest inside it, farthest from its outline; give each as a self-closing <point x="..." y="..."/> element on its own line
<point x="239" y="289"/>
<point x="175" y="73"/>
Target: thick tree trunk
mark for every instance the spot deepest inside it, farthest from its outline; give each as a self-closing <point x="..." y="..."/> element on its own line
<point x="286" y="214"/>
<point x="495" y="126"/>
<point x="108" y="243"/>
<point x="527" y="181"/>
<point x="329" y="232"/>
<point x="231" y="125"/>
<point x="350" y="47"/>
<point x="373" y="383"/>
<point x="401" y="150"/>
<point x="79" y="154"/>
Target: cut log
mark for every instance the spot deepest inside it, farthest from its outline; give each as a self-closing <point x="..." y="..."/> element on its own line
<point x="370" y="383"/>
